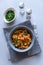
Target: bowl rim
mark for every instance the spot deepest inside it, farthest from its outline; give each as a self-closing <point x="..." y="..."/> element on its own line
<point x="19" y="50"/>
<point x="6" y="12"/>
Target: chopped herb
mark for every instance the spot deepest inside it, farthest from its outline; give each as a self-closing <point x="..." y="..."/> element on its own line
<point x="10" y="15"/>
<point x="16" y="39"/>
<point x="24" y="34"/>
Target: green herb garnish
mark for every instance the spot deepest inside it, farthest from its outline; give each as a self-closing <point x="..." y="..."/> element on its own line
<point x="10" y="15"/>
<point x="24" y="34"/>
<point x="16" y="40"/>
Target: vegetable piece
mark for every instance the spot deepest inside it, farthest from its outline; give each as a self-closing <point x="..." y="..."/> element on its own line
<point x="22" y="38"/>
<point x="24" y="34"/>
<point x="16" y="45"/>
<point x="26" y="37"/>
<point x="14" y="36"/>
<point x="16" y="39"/>
<point x="25" y="44"/>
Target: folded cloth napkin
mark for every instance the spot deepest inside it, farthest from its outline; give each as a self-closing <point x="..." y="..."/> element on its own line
<point x="15" y="56"/>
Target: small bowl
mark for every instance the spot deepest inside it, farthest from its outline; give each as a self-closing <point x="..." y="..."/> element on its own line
<point x="5" y="15"/>
<point x="10" y="40"/>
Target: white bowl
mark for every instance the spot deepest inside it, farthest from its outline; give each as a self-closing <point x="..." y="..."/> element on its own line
<point x="5" y="14"/>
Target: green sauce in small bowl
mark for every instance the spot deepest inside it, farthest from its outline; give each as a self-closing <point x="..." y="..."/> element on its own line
<point x="10" y="15"/>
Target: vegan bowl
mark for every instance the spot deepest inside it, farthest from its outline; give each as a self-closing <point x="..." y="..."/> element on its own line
<point x="21" y="38"/>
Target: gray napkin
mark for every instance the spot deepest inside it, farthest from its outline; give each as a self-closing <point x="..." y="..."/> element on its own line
<point x="15" y="56"/>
